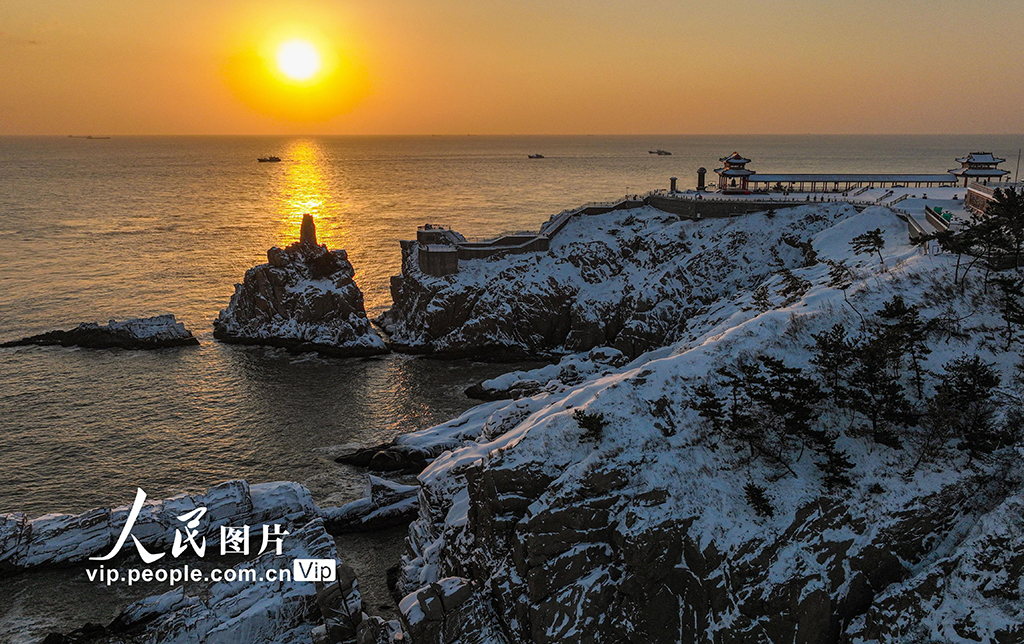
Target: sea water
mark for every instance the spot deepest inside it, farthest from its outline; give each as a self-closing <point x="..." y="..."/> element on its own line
<point x="93" y="229"/>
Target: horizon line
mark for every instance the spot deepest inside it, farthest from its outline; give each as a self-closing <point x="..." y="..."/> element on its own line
<point x="412" y="134"/>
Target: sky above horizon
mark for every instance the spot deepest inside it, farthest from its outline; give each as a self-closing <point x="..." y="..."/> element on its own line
<point x="526" y="67"/>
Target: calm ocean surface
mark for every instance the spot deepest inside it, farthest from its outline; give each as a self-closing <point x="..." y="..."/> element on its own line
<point x="136" y="226"/>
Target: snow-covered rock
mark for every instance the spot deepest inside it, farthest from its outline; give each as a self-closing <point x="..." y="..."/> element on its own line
<point x="646" y="534"/>
<point x="569" y="371"/>
<point x="627" y="279"/>
<point x="140" y="333"/>
<point x="384" y="504"/>
<point x="305" y="299"/>
<point x="248" y="612"/>
<point x="64" y="538"/>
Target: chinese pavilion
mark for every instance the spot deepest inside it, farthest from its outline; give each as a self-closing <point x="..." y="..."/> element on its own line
<point x="979" y="165"/>
<point x="734" y="175"/>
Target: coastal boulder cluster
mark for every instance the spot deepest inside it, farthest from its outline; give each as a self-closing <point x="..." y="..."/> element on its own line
<point x="304" y="298"/>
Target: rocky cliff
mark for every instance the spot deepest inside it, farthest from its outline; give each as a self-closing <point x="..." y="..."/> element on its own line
<point x="629" y="279"/>
<point x="620" y="506"/>
<point x="303" y="298"/>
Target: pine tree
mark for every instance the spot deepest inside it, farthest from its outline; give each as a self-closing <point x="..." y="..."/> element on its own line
<point x="709" y="406"/>
<point x="793" y="287"/>
<point x="1007" y="210"/>
<point x="757" y="497"/>
<point x="876" y="392"/>
<point x="762" y="298"/>
<point x="906" y="334"/>
<point x="841" y="277"/>
<point x="740" y="423"/>
<point x="833" y="355"/>
<point x="963" y="409"/>
<point x="969" y="385"/>
<point x="1011" y="309"/>
<point x="789" y="398"/>
<point x="951" y="242"/>
<point x="592" y="424"/>
<point x="868" y="243"/>
<point x="837" y="466"/>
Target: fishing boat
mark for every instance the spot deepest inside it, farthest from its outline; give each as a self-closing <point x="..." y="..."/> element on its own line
<point x="536" y="156"/>
<point x="268" y="159"/>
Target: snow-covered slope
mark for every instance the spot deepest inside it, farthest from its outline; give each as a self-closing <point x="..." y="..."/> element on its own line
<point x="627" y="279"/>
<point x="532" y="529"/>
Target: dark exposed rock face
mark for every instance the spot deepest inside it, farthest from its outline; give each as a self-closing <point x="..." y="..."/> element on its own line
<point x="626" y="279"/>
<point x="142" y="333"/>
<point x="305" y="299"/>
<point x="388" y="458"/>
<point x="585" y="563"/>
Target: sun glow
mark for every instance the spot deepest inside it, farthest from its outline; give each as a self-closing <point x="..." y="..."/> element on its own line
<point x="298" y="60"/>
<point x="296" y="73"/>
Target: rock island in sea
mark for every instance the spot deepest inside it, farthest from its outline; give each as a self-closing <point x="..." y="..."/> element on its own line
<point x="304" y="298"/>
<point x="157" y="332"/>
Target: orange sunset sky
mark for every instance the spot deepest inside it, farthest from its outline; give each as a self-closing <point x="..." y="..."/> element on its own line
<point x="523" y="67"/>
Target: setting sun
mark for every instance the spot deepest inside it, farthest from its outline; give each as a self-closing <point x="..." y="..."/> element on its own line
<point x="298" y="60"/>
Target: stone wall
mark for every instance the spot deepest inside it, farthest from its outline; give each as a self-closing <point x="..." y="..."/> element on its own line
<point x="533" y="244"/>
<point x="439" y="261"/>
<point x="977" y="199"/>
<point x="708" y="209"/>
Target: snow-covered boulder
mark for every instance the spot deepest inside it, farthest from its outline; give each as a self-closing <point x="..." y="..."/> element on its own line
<point x="155" y="332"/>
<point x="384" y="504"/>
<point x="305" y="299"/>
<point x="569" y="371"/>
<point x="243" y="611"/>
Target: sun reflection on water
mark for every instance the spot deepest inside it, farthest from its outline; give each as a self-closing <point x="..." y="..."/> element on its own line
<point x="306" y="187"/>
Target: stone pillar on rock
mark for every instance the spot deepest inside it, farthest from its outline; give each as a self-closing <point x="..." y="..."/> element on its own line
<point x="307" y="234"/>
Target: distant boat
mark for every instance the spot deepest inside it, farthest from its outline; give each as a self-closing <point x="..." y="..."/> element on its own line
<point x="268" y="159"/>
<point x="72" y="136"/>
<point x="663" y="153"/>
<point x="536" y="156"/>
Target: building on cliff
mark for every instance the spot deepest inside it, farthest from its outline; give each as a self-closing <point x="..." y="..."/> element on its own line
<point x="979" y="166"/>
<point x="733" y="175"/>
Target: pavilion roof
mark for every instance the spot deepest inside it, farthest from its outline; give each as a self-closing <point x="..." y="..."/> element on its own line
<point x="979" y="172"/>
<point x="980" y="157"/>
<point x="853" y="178"/>
<point x="734" y="158"/>
<point x="734" y="172"/>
